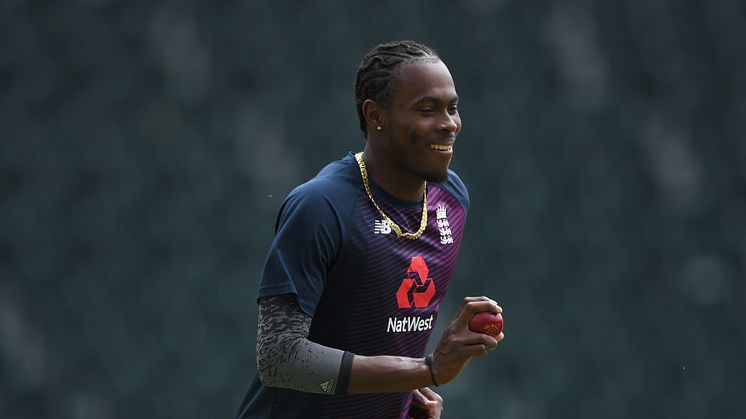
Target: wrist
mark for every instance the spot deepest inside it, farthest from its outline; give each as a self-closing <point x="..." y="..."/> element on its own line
<point x="388" y="374"/>
<point x="429" y="363"/>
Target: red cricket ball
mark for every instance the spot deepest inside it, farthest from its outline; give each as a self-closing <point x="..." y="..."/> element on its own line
<point x="487" y="323"/>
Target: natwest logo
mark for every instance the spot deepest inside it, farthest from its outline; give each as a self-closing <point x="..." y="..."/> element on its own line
<point x="409" y="324"/>
<point x="417" y="289"/>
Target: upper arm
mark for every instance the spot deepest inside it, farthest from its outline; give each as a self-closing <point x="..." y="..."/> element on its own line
<point x="308" y="238"/>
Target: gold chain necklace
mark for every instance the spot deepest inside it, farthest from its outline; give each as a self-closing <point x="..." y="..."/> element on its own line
<point x="399" y="233"/>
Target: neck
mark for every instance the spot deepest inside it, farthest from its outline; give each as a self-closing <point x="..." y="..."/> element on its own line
<point x="391" y="178"/>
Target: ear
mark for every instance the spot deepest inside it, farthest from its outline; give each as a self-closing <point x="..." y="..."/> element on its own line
<point x="375" y="115"/>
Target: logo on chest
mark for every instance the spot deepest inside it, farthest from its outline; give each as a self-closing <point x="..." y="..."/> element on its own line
<point x="417" y="289"/>
<point x="381" y="227"/>
<point x="444" y="227"/>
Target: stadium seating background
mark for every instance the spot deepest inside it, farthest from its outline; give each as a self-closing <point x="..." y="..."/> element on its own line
<point x="146" y="147"/>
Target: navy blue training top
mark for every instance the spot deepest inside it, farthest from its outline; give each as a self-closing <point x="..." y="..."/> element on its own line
<point x="368" y="291"/>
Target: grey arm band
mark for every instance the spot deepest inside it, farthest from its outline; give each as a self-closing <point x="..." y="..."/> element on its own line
<point x="287" y="359"/>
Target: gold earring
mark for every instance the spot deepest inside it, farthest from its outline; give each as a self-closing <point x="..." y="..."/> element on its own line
<point x="378" y="128"/>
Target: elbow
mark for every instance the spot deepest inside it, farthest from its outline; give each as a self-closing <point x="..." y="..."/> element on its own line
<point x="267" y="371"/>
<point x="274" y="364"/>
<point x="264" y="378"/>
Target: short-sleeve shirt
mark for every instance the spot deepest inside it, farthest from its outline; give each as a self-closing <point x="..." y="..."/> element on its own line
<point x="368" y="291"/>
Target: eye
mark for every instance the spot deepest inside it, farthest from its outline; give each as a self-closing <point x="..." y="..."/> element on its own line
<point x="453" y="109"/>
<point x="427" y="111"/>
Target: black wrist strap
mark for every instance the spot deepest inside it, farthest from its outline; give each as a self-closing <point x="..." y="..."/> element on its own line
<point x="429" y="363"/>
<point x="345" y="370"/>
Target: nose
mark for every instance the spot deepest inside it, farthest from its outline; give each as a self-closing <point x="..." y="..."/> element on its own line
<point x="450" y="123"/>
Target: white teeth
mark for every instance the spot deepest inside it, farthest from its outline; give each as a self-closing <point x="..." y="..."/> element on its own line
<point x="441" y="147"/>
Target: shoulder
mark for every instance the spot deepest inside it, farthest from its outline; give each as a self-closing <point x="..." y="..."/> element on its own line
<point x="334" y="183"/>
<point x="456" y="187"/>
<point x="331" y="192"/>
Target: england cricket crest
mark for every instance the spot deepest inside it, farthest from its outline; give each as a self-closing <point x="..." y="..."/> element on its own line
<point x="446" y="237"/>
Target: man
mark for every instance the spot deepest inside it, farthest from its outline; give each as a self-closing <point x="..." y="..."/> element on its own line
<point x="362" y="257"/>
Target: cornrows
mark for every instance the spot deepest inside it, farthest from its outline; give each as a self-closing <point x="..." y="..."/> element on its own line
<point x="376" y="76"/>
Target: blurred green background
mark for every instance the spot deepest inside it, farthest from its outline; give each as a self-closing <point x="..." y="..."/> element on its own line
<point x="147" y="146"/>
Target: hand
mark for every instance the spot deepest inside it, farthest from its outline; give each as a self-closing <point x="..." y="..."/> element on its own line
<point x="459" y="345"/>
<point x="426" y="404"/>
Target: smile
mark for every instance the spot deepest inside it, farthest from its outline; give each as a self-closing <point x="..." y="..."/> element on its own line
<point x="442" y="147"/>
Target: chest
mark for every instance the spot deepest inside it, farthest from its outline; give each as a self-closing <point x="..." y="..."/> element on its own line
<point x="399" y="275"/>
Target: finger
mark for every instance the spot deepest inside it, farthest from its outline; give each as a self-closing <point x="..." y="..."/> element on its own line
<point x="431" y="395"/>
<point x="471" y="307"/>
<point x="468" y="300"/>
<point x="420" y="399"/>
<point x="477" y="351"/>
<point x="436" y="402"/>
<point x="480" y="298"/>
<point x="498" y="339"/>
<point x="478" y="344"/>
<point x="476" y="338"/>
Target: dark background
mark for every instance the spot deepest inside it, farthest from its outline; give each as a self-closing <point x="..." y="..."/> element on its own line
<point x="146" y="147"/>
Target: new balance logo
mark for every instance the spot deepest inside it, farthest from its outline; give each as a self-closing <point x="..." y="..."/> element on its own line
<point x="381" y="227"/>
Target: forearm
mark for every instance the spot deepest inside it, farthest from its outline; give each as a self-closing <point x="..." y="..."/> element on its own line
<point x="458" y="345"/>
<point x="388" y="374"/>
<point x="287" y="359"/>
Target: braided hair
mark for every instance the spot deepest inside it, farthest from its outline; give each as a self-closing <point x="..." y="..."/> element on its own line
<point x="377" y="74"/>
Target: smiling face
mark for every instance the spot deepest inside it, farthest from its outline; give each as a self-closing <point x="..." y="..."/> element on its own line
<point x="422" y="122"/>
